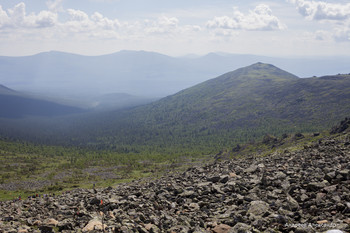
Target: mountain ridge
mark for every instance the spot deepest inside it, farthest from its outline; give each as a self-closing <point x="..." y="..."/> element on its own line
<point x="219" y="90"/>
<point x="140" y="73"/>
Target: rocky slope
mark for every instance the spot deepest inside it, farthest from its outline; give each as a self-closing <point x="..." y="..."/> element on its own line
<point x="304" y="190"/>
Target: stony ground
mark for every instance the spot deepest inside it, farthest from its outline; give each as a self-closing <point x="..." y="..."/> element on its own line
<point x="295" y="191"/>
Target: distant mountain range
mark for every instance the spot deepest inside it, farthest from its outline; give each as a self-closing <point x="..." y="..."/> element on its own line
<point x="140" y="73"/>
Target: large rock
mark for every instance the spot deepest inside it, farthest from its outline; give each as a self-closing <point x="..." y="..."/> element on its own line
<point x="258" y="208"/>
<point x="50" y="222"/>
<point x="221" y="228"/>
<point x="241" y="228"/>
<point x="292" y="203"/>
<point x="94" y="224"/>
<point x="251" y="169"/>
<point x="315" y="186"/>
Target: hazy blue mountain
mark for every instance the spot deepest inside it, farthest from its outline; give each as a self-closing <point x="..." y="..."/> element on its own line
<point x="18" y="105"/>
<point x="137" y="73"/>
<point x="140" y="73"/>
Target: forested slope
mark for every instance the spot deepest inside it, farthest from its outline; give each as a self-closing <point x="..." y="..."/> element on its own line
<point x="237" y="107"/>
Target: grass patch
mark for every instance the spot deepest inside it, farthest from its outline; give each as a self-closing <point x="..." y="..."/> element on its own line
<point x="29" y="169"/>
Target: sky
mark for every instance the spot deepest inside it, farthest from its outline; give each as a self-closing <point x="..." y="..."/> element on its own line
<point x="284" y="28"/>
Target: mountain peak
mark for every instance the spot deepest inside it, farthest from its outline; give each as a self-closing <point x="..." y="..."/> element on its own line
<point x="265" y="71"/>
<point x="261" y="65"/>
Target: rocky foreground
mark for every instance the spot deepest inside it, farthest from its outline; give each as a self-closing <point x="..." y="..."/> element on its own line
<point x="295" y="191"/>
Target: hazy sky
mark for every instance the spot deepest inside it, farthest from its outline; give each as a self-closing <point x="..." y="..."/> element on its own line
<point x="176" y="27"/>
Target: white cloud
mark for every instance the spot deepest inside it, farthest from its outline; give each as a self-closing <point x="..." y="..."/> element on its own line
<point x="95" y="25"/>
<point x="166" y="26"/>
<point x="314" y="10"/>
<point x="17" y="15"/>
<point x="17" y="21"/>
<point x="4" y="18"/>
<point x="225" y="34"/>
<point x="55" y="5"/>
<point x="261" y="18"/>
<point x="18" y="18"/>
<point x="104" y="22"/>
<point x="79" y="24"/>
<point x="163" y="25"/>
<point x="334" y="14"/>
<point x="192" y="28"/>
<point x="46" y="19"/>
<point x="168" y="22"/>
<point x="77" y="15"/>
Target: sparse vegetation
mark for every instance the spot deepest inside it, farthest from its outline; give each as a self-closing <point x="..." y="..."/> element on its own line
<point x="28" y="169"/>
